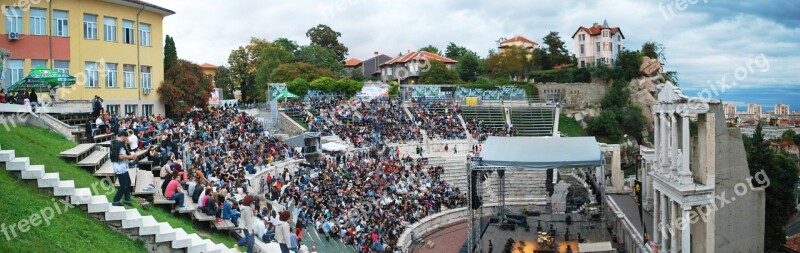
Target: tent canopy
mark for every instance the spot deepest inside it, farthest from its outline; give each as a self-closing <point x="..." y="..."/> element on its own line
<point x="43" y="79"/>
<point x="300" y="140"/>
<point x="333" y="146"/>
<point x="541" y="152"/>
<point x="284" y="95"/>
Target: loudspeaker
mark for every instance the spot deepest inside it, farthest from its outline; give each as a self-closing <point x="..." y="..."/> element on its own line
<point x="476" y="200"/>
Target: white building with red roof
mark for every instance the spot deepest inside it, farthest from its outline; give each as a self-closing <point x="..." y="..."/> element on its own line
<point x="407" y="68"/>
<point x="597" y="44"/>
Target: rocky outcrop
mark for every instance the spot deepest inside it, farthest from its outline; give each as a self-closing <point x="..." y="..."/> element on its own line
<point x="650" y="67"/>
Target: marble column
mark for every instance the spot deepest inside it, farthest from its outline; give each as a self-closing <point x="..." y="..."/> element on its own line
<point x="664" y="164"/>
<point x="656" y="218"/>
<point x="685" y="228"/>
<point x="673" y="149"/>
<point x="664" y="222"/>
<point x="673" y="235"/>
<point x="657" y="140"/>
<point x="685" y="173"/>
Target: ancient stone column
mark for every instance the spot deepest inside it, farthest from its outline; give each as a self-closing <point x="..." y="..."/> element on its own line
<point x="685" y="173"/>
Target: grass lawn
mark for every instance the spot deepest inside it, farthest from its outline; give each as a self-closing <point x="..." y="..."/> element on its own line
<point x="43" y="146"/>
<point x="569" y="126"/>
<point x="71" y="231"/>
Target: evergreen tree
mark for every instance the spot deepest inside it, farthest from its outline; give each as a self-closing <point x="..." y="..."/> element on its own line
<point x="170" y="54"/>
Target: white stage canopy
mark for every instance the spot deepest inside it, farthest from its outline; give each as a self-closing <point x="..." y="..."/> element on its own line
<point x="333" y="146"/>
<point x="541" y="152"/>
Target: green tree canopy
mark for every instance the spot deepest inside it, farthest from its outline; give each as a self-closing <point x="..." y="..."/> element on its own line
<point x="187" y="87"/>
<point x="290" y="71"/>
<point x="320" y="57"/>
<point x="287" y="44"/>
<point x="431" y="49"/>
<point x="511" y="63"/>
<point x="455" y="52"/>
<point x="298" y="86"/>
<point x="272" y="55"/>
<point x="222" y="80"/>
<point x="324" y="36"/>
<point x="348" y="87"/>
<point x="170" y="54"/>
<point x="556" y="49"/>
<point x="438" y="74"/>
<point x="468" y="67"/>
<point x="323" y="84"/>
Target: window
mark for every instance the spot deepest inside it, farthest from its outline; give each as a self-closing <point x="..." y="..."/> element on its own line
<point x="89" y="26"/>
<point x="38" y="20"/>
<point x="619" y="48"/>
<point x="112" y="109"/>
<point x="13" y="20"/>
<point x="605" y="33"/>
<point x="110" y="29"/>
<point x="145" y="77"/>
<point x="130" y="109"/>
<point x="61" y="66"/>
<point x="597" y="47"/>
<point x="38" y="63"/>
<point x="582" y="48"/>
<point x="14" y="71"/>
<point x="129" y="71"/>
<point x="111" y="75"/>
<point x="606" y="46"/>
<point x="144" y="34"/>
<point x="91" y="74"/>
<point x="60" y="24"/>
<point x="127" y="31"/>
<point x="147" y="110"/>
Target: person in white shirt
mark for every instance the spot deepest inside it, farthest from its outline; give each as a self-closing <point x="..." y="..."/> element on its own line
<point x="259" y="229"/>
<point x="133" y="140"/>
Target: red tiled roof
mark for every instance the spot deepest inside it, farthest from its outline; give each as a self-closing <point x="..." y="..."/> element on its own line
<point x="518" y="38"/>
<point x="793" y="243"/>
<point x="421" y="55"/>
<point x="352" y="62"/>
<point x="208" y="66"/>
<point x="596" y="29"/>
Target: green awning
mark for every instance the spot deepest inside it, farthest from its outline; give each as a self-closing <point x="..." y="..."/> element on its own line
<point x="284" y="95"/>
<point x="43" y="79"/>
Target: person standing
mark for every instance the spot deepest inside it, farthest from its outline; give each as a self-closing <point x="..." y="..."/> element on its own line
<point x="282" y="232"/>
<point x="2" y="96"/>
<point x="96" y="106"/>
<point x="119" y="158"/>
<point x="247" y="212"/>
<point x="491" y="247"/>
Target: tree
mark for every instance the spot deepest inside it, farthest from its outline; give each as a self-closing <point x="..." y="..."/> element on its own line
<point x="556" y="49"/>
<point x="394" y="89"/>
<point x="627" y="65"/>
<point x="654" y="50"/>
<point x="438" y="74"/>
<point x="541" y="60"/>
<point x="243" y="79"/>
<point x="455" y="52"/>
<point x="510" y="64"/>
<point x="271" y="56"/>
<point x="287" y="44"/>
<point x="320" y="57"/>
<point x="170" y="54"/>
<point x="185" y="88"/>
<point x="323" y="84"/>
<point x="431" y="49"/>
<point x="782" y="173"/>
<point x="468" y="66"/>
<point x="348" y="87"/>
<point x="290" y="71"/>
<point x="298" y="86"/>
<point x="358" y="74"/>
<point x="606" y="124"/>
<point x="222" y="80"/>
<point x="324" y="36"/>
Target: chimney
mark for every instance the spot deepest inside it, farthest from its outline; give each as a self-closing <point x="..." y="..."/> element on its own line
<point x="376" y="53"/>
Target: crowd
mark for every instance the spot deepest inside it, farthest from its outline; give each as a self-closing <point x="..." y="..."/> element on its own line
<point x="480" y="131"/>
<point x="22" y="97"/>
<point x="439" y="120"/>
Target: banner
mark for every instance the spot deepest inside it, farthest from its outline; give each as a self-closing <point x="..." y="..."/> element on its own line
<point x="216" y="95"/>
<point x="472" y="100"/>
<point x="637" y="188"/>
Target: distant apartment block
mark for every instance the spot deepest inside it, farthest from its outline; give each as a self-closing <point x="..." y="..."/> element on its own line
<point x="730" y="110"/>
<point x="754" y="109"/>
<point x="781" y="109"/>
<point x="597" y="44"/>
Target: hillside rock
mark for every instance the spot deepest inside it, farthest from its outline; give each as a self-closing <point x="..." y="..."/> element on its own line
<point x="644" y="99"/>
<point x="650" y="67"/>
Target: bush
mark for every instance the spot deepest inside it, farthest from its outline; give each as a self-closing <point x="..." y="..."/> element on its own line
<point x="326" y="84"/>
<point x="298" y="86"/>
<point x="568" y="75"/>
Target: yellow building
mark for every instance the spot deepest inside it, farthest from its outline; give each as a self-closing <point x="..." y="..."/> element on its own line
<point x="114" y="48"/>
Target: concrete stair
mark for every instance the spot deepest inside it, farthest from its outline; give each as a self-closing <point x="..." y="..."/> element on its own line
<point x="130" y="218"/>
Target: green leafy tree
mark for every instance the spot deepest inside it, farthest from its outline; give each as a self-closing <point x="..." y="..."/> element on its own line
<point x="271" y="56"/>
<point x="290" y="71"/>
<point x="541" y="60"/>
<point x="348" y="87"/>
<point x="324" y="84"/>
<point x="358" y="74"/>
<point x="242" y="77"/>
<point x="320" y="57"/>
<point x="653" y="50"/>
<point x="617" y="95"/>
<point x="185" y="88"/>
<point x="222" y="80"/>
<point x="394" y="89"/>
<point x="287" y="44"/>
<point x="431" y="49"/>
<point x="556" y="49"/>
<point x="627" y="65"/>
<point x="468" y="67"/>
<point x="455" y="52"/>
<point x="438" y="74"/>
<point x="606" y="124"/>
<point x="170" y="53"/>
<point x="509" y="64"/>
<point x="298" y="86"/>
<point x="324" y="36"/>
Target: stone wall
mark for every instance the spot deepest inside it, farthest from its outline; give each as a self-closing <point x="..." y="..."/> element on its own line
<point x="289" y="126"/>
<point x="576" y="95"/>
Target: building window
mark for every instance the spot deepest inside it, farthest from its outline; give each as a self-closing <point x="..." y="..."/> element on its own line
<point x="60" y="24"/>
<point x="582" y="48"/>
<point x="112" y="109"/>
<point x="38" y="19"/>
<point x="144" y="34"/>
<point x="619" y="48"/>
<point x="147" y="110"/>
<point x="111" y="75"/>
<point x="38" y="63"/>
<point x="597" y="47"/>
<point x="14" y="71"/>
<point x="13" y="20"/>
<point x="130" y="109"/>
<point x="89" y="26"/>
<point x="146" y="77"/>
<point x="91" y="74"/>
<point x="130" y="75"/>
<point x="110" y="29"/>
<point x="61" y="66"/>
<point x="127" y="31"/>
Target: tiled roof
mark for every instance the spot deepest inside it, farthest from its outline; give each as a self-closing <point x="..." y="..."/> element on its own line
<point x="352" y="62"/>
<point x="208" y="66"/>
<point x="421" y="55"/>
<point x="793" y="243"/>
<point x="596" y="29"/>
<point x="520" y="39"/>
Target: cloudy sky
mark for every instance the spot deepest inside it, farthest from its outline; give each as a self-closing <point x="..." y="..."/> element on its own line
<point x="753" y="47"/>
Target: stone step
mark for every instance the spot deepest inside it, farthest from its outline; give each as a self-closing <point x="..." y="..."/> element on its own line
<point x="7" y="155"/>
<point x="99" y="204"/>
<point x="82" y="196"/>
<point x="133" y="219"/>
<point x="149" y="226"/>
<point x="33" y="172"/>
<point x="18" y="164"/>
<point x="165" y="233"/>
<point x="64" y="188"/>
<point x="197" y="245"/>
<point x="115" y="213"/>
<point x="48" y="180"/>
<point x="213" y="247"/>
<point x="182" y="240"/>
